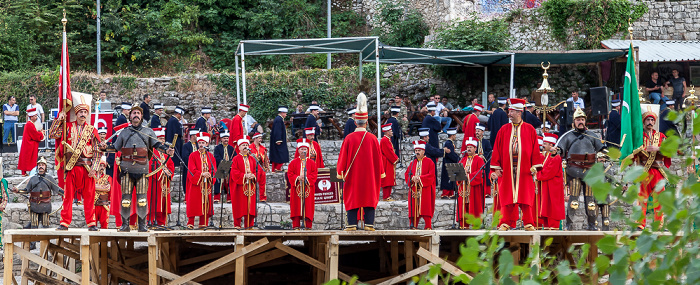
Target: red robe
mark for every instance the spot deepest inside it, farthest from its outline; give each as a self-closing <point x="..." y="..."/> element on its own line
<point x="294" y="171"/>
<point x="195" y="198"/>
<point x="389" y="160"/>
<point x="511" y="191"/>
<point x="469" y="129"/>
<point x="360" y="166"/>
<point x="237" y="130"/>
<point x="314" y="153"/>
<point x="30" y="147"/>
<point x="160" y="182"/>
<point x="423" y="204"/>
<point x="655" y="174"/>
<point x="551" y="178"/>
<point x="474" y="205"/>
<point x="241" y="203"/>
<point x="260" y="153"/>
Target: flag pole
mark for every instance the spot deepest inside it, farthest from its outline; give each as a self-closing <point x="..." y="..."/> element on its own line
<point x="64" y="88"/>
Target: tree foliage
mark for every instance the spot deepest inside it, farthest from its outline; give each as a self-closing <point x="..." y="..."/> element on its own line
<point x="473" y="34"/>
<point x="396" y="24"/>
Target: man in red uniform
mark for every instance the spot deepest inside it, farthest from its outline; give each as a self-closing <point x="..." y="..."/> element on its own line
<point x="258" y="150"/>
<point x="237" y="126"/>
<point x="649" y="156"/>
<point x="360" y="167"/>
<point x="515" y="155"/>
<point x="469" y="127"/>
<point x="159" y="184"/>
<point x="302" y="174"/>
<point x="200" y="180"/>
<point x="30" y="143"/>
<point x="551" y="207"/>
<point x="389" y="160"/>
<point x="470" y="198"/>
<point x="78" y="150"/>
<point x="420" y="176"/>
<point x="246" y="176"/>
<point x="102" y="186"/>
<point x="315" y="153"/>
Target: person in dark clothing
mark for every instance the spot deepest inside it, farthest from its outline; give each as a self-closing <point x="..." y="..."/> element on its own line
<point x="279" y="154"/>
<point x="222" y="151"/>
<point x="484" y="149"/>
<point x="396" y="129"/>
<point x="654" y="88"/>
<point x="434" y="127"/>
<point x="679" y="88"/>
<point x="201" y="124"/>
<point x="530" y="117"/>
<point x="187" y="149"/>
<point x="121" y="119"/>
<point x="155" y="119"/>
<point x="350" y="123"/>
<point x="144" y="105"/>
<point x="612" y="133"/>
<point x="434" y="153"/>
<point x="665" y="126"/>
<point x="312" y="120"/>
<point x="172" y="128"/>
<point x="447" y="186"/>
<point x="497" y="119"/>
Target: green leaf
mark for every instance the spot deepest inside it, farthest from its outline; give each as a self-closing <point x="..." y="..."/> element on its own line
<point x="669" y="147"/>
<point x="434" y="271"/>
<point x="607" y="245"/>
<point x="645" y="243"/>
<point x="634" y="174"/>
<point x="602" y="263"/>
<point x="614" y="153"/>
<point x="505" y="264"/>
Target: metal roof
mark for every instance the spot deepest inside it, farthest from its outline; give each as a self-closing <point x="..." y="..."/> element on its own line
<point x="306" y="46"/>
<point x="404" y="55"/>
<point x="556" y="57"/>
<point x="660" y="51"/>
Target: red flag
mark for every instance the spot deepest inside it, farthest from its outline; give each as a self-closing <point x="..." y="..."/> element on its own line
<point x="64" y="94"/>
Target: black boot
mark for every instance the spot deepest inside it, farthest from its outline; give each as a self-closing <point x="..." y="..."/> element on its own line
<point x="142" y="225"/>
<point x="125" y="225"/>
<point x="592" y="223"/>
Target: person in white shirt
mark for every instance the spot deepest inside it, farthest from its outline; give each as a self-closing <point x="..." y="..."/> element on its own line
<point x="576" y="101"/>
<point x="39" y="109"/>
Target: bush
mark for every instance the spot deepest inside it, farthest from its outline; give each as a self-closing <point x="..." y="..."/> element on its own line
<point x="473" y="34"/>
<point x="398" y="25"/>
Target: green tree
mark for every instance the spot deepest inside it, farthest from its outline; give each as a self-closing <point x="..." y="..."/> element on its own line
<point x="398" y="25"/>
<point x="473" y="34"/>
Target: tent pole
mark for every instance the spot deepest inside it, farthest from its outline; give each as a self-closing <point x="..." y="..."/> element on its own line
<point x="245" y="99"/>
<point x="379" y="104"/>
<point x="238" y="86"/>
<point x="486" y="87"/>
<point x="512" y="75"/>
<point x="360" y="71"/>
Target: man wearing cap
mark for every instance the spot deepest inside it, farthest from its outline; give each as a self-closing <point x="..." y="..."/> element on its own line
<point x="103" y="184"/>
<point x="530" y="117"/>
<point x="258" y="150"/>
<point x="302" y="174"/>
<point x="497" y="120"/>
<point x="222" y="151"/>
<point x="360" y="167"/>
<point x="551" y="209"/>
<point x="484" y="150"/>
<point x="279" y="154"/>
<point x="201" y="123"/>
<point x="136" y="144"/>
<point x="40" y="188"/>
<point x="247" y="176"/>
<point x="350" y="123"/>
<point x="121" y="119"/>
<point x="447" y="186"/>
<point x="162" y="170"/>
<point x="579" y="146"/>
<point x="469" y="126"/>
<point x="155" y="120"/>
<point x="433" y="125"/>
<point x="612" y="133"/>
<point x="237" y="127"/>
<point x="420" y="176"/>
<point x="145" y="107"/>
<point x="665" y="126"/>
<point x="315" y="153"/>
<point x="200" y="180"/>
<point x="187" y="150"/>
<point x="397" y="133"/>
<point x="431" y="152"/>
<point x="30" y="143"/>
<point x="515" y="157"/>
<point x="78" y="149"/>
<point x="389" y="160"/>
<point x="311" y="120"/>
<point x="546" y="127"/>
<point x="649" y="156"/>
<point x="172" y="128"/>
<point x="470" y="193"/>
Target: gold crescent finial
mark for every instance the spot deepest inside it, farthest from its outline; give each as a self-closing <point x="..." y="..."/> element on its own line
<point x="543" y="67"/>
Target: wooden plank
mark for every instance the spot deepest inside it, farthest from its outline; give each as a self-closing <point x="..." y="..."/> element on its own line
<point x="394" y="257"/>
<point x="38" y="260"/>
<point x="206" y="257"/>
<point x="64" y="251"/>
<point x="25" y="262"/>
<point x="103" y="263"/>
<point x="152" y="261"/>
<point x="407" y="275"/>
<point x="172" y="276"/>
<point x="310" y="261"/>
<point x="143" y="258"/>
<point x="44" y="250"/>
<point x="240" y="275"/>
<point x="95" y="260"/>
<point x="322" y="256"/>
<point x="8" y="249"/>
<point x="332" y="263"/>
<point x="408" y="254"/>
<point x="264" y="257"/>
<point x="219" y="262"/>
<point x="449" y="268"/>
<point x="43" y="278"/>
<point x="85" y="258"/>
<point x="127" y="273"/>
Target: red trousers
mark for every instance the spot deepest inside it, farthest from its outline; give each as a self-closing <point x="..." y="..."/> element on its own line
<point x="248" y="224"/>
<point x="448" y="193"/>
<point x="263" y="194"/>
<point x="427" y="219"/>
<point x="296" y="222"/>
<point x="646" y="190"/>
<point x="386" y="192"/>
<point x="511" y="215"/>
<point x="203" y="221"/>
<point x="102" y="216"/>
<point x="276" y="166"/>
<point x="545" y="222"/>
<point x="77" y="179"/>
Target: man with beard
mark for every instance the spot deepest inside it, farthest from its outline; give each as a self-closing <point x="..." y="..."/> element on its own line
<point x="222" y="151"/>
<point x="470" y="194"/>
<point x="202" y="166"/>
<point x="579" y="146"/>
<point x="136" y="144"/>
<point x="389" y="160"/>
<point x="420" y="176"/>
<point x="162" y="169"/>
<point x="247" y="176"/>
<point x="40" y="188"/>
<point x="30" y="143"/>
<point x="302" y="174"/>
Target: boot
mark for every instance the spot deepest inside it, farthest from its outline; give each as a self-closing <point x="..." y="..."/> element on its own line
<point x="592" y="223"/>
<point x="125" y="225"/>
<point x="142" y="225"/>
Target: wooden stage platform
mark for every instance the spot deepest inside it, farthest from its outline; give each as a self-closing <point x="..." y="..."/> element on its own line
<point x="252" y="256"/>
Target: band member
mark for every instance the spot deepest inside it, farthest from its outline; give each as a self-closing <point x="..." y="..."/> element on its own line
<point x="649" y="156"/>
<point x="315" y="153"/>
<point x="202" y="167"/>
<point x="237" y="127"/>
<point x="312" y="121"/>
<point x="389" y="160"/>
<point x="30" y="143"/>
<point x="155" y="119"/>
<point x="420" y="176"/>
<point x="259" y="151"/>
<point x="78" y="149"/>
<point x="551" y="207"/>
<point x="162" y="171"/>
<point x="497" y="120"/>
<point x="115" y="192"/>
<point x="665" y="125"/>
<point x="350" y="123"/>
<point x="397" y="134"/>
<point x="302" y="174"/>
<point x="172" y="128"/>
<point x="103" y="185"/>
<point x="222" y="151"/>
<point x="433" y="126"/>
<point x="579" y="146"/>
<point x="470" y="123"/>
<point x="513" y="162"/>
<point x="530" y="117"/>
<point x="361" y="173"/>
<point x="547" y="127"/>
<point x="279" y="154"/>
<point x="470" y="194"/>
<point x="434" y="153"/>
<point x="201" y="123"/>
<point x="484" y="149"/>
<point x="40" y="188"/>
<point x="612" y="132"/>
<point x="136" y="144"/>
<point x="247" y="176"/>
<point x="187" y="149"/>
<point x="447" y="186"/>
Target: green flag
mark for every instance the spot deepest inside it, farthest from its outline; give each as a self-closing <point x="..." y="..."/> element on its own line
<point x="631" y="117"/>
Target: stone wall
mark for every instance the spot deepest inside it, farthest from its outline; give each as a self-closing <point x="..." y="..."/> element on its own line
<point x="677" y="20"/>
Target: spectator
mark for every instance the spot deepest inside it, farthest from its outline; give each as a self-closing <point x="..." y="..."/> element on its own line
<point x="491" y="105"/>
<point x="576" y="101"/>
<point x="314" y="102"/>
<point x="11" y="112"/>
<point x="403" y="114"/>
<point x="251" y="125"/>
<point x="421" y="107"/>
<point x="653" y="87"/>
<point x="40" y="110"/>
<point x="299" y="109"/>
<point x="679" y="88"/>
<point x="447" y="104"/>
<point x="104" y="103"/>
<point x="474" y="101"/>
<point x="146" y="108"/>
<point x="441" y="113"/>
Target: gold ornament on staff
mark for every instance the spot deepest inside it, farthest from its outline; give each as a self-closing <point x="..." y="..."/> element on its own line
<point x="544" y="88"/>
<point x="642" y="99"/>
